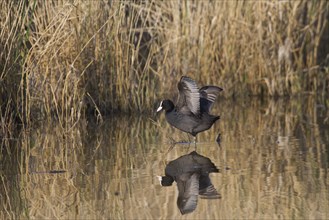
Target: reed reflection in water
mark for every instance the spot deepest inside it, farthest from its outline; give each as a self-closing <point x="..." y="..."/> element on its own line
<point x="277" y="152"/>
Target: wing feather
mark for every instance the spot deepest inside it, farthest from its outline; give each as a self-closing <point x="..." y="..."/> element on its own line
<point x="189" y="95"/>
<point x="208" y="95"/>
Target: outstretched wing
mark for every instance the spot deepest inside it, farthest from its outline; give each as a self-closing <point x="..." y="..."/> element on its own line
<point x="189" y="96"/>
<point x="208" y="95"/>
<point x="188" y="191"/>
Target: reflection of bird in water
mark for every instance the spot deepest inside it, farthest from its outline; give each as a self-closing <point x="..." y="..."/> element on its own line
<point x="192" y="111"/>
<point x="191" y="173"/>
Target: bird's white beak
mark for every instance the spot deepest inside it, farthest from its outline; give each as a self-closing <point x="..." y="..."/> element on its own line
<point x="160" y="107"/>
<point x="160" y="179"/>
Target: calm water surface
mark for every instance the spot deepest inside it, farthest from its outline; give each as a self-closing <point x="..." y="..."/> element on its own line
<point x="273" y="160"/>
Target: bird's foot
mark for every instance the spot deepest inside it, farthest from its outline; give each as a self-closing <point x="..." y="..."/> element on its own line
<point x="173" y="141"/>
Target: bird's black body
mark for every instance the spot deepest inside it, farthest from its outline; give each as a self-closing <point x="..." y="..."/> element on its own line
<point x="192" y="111"/>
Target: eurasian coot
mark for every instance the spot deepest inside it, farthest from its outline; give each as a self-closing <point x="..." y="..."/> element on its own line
<point x="192" y="111"/>
<point x="191" y="173"/>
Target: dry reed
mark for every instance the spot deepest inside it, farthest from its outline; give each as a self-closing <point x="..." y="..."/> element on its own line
<point x="64" y="59"/>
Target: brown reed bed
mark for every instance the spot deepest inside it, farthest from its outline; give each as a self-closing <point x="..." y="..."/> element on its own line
<point x="65" y="59"/>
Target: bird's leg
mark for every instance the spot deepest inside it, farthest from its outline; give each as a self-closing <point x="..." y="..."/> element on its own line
<point x="194" y="137"/>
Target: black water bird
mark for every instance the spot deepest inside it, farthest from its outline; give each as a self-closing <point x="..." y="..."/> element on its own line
<point x="191" y="173"/>
<point x="192" y="111"/>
